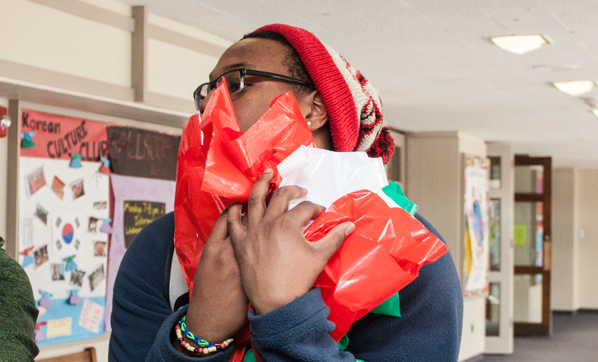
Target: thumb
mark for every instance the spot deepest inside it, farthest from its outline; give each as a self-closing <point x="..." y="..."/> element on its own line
<point x="330" y="243"/>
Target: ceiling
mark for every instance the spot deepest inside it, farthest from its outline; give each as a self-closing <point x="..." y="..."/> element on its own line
<point x="435" y="67"/>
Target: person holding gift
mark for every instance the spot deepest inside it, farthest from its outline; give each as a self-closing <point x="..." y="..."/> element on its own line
<point x="262" y="261"/>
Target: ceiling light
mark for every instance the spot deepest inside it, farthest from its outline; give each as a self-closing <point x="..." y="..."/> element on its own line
<point x="595" y="111"/>
<point x="575" y="87"/>
<point x="519" y="44"/>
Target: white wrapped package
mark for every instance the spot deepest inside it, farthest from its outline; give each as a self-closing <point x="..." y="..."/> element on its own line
<point x="329" y="175"/>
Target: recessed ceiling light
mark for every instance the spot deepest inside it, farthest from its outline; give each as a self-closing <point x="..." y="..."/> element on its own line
<point x="519" y="44"/>
<point x="595" y="111"/>
<point x="575" y="87"/>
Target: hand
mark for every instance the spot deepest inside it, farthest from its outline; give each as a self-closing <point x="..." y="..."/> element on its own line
<point x="277" y="263"/>
<point x="218" y="306"/>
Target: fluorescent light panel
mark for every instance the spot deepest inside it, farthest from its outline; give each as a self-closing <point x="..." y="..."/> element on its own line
<point x="519" y="44"/>
<point x="595" y="111"/>
<point x="575" y="87"/>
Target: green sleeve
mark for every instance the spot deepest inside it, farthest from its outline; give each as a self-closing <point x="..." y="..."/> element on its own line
<point x="18" y="312"/>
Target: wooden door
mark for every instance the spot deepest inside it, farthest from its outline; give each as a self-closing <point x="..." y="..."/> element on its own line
<point x="531" y="242"/>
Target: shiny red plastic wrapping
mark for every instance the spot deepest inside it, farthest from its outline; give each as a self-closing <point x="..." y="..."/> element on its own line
<point x="383" y="254"/>
<point x="218" y="163"/>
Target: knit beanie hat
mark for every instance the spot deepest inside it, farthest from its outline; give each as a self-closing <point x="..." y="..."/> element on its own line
<point x="354" y="108"/>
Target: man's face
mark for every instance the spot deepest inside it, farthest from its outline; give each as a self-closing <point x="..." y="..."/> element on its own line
<point x="254" y="100"/>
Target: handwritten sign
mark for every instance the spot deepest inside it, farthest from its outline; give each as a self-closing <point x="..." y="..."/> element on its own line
<point x="59" y="327"/>
<point x="91" y="316"/>
<point x="138" y="214"/>
<point x="58" y="136"/>
<point x="143" y="153"/>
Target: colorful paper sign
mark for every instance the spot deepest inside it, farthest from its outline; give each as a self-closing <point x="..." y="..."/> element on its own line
<point x="520" y="235"/>
<point x="58" y="136"/>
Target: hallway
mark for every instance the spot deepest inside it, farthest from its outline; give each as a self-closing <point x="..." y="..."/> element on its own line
<point x="574" y="338"/>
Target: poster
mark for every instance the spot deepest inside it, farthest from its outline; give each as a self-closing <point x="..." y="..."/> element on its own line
<point x="476" y="216"/>
<point x="56" y="208"/>
<point x="143" y="153"/>
<point x="143" y="184"/>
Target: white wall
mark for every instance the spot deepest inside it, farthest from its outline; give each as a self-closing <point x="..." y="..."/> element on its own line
<point x="588" y="246"/>
<point x="565" y="244"/>
<point x="575" y="239"/>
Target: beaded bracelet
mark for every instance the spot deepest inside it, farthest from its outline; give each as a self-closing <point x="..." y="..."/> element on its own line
<point x="205" y="347"/>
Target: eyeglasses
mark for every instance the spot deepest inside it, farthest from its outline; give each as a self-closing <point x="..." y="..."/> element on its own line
<point x="235" y="82"/>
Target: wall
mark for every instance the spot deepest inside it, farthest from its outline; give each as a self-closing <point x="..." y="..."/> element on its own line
<point x="565" y="244"/>
<point x="435" y="183"/>
<point x="588" y="246"/>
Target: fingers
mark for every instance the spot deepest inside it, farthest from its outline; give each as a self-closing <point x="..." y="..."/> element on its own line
<point x="279" y="203"/>
<point x="220" y="229"/>
<point x="304" y="212"/>
<point x="256" y="204"/>
<point x="236" y="229"/>
<point x="330" y="243"/>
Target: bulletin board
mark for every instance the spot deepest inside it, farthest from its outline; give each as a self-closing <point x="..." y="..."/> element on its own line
<point x="64" y="206"/>
<point x="143" y="180"/>
<point x="477" y="234"/>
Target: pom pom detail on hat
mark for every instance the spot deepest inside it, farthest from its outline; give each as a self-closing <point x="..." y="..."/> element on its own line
<point x="353" y="105"/>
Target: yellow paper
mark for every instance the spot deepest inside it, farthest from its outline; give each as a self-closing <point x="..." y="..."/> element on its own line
<point x="59" y="327"/>
<point x="468" y="257"/>
<point x="520" y="235"/>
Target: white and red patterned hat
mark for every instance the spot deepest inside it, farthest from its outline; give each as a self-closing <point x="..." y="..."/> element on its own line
<point x="354" y="108"/>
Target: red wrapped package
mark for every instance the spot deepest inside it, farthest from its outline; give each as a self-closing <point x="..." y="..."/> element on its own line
<point x="381" y="256"/>
<point x="218" y="163"/>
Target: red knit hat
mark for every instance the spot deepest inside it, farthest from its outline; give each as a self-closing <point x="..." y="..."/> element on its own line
<point x="354" y="108"/>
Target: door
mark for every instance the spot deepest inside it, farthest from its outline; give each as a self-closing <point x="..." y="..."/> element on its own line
<point x="531" y="242"/>
<point x="499" y="301"/>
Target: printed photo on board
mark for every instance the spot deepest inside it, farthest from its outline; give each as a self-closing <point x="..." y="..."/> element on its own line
<point x="100" y="205"/>
<point x="58" y="187"/>
<point x="99" y="248"/>
<point x="41" y="255"/>
<point x="78" y="188"/>
<point x="77" y="278"/>
<point x="58" y="271"/>
<point x="92" y="225"/>
<point x="35" y="181"/>
<point x="42" y="214"/>
<point x="96" y="277"/>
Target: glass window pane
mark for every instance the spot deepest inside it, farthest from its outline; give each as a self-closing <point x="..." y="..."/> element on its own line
<point x="495" y="172"/>
<point x="529" y="179"/>
<point x="528" y="233"/>
<point x="494" y="239"/>
<point x="493" y="310"/>
<point x="528" y="298"/>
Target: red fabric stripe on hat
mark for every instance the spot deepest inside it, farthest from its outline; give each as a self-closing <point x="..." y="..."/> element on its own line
<point x="342" y="112"/>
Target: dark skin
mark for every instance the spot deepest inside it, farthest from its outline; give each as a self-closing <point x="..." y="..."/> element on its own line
<point x="262" y="258"/>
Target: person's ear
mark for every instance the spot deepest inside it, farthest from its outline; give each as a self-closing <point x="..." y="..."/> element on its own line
<point x="316" y="115"/>
<point x="314" y="111"/>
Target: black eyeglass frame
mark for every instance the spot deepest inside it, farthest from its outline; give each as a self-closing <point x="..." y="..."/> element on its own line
<point x="198" y="98"/>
